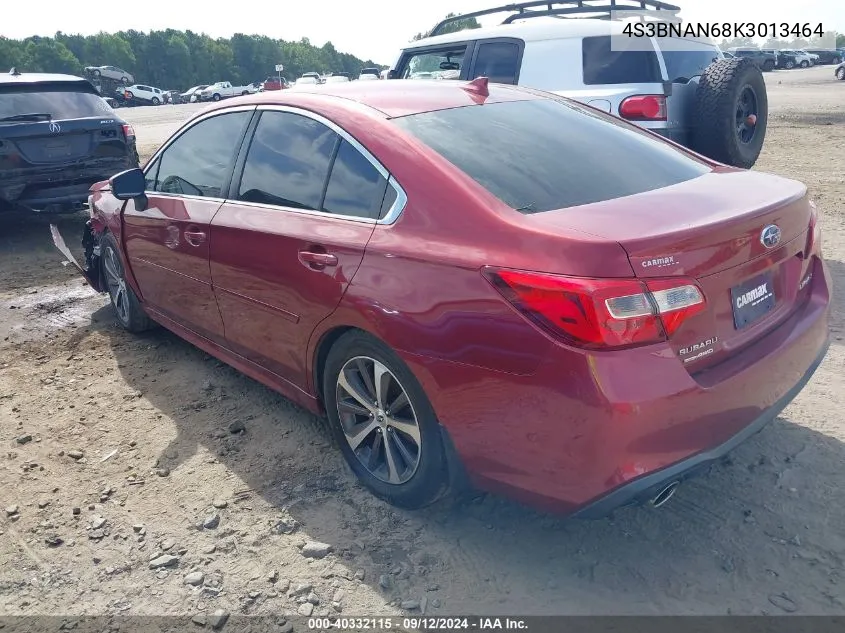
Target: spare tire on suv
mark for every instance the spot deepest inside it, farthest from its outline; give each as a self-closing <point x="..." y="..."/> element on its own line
<point x="731" y="112"/>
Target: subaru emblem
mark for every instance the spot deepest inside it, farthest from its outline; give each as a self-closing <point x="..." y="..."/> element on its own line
<point x="770" y="236"/>
<point x="55" y="128"/>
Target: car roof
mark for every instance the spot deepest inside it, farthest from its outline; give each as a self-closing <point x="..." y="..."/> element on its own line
<point x="534" y="30"/>
<point x="35" y="78"/>
<point x="392" y="98"/>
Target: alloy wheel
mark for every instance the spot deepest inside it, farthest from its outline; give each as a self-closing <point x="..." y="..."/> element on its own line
<point x="116" y="284"/>
<point x="746" y="114"/>
<point x="378" y="420"/>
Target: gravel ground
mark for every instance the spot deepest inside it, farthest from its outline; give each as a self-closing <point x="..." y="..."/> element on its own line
<point x="141" y="476"/>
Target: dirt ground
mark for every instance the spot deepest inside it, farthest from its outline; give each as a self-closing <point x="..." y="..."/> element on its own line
<point x="118" y="448"/>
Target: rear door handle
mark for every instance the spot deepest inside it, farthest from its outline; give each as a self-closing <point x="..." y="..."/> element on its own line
<point x="316" y="260"/>
<point x="194" y="238"/>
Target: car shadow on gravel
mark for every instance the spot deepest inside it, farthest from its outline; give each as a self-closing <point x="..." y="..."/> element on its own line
<point x="760" y="533"/>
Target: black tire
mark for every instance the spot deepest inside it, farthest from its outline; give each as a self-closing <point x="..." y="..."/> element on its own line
<point x="429" y="481"/>
<point x="216" y="97"/>
<point x="805" y="64"/>
<point x="244" y="93"/>
<point x="131" y="315"/>
<point x="840" y="74"/>
<point x="156" y="101"/>
<point x="768" y="66"/>
<point x="789" y="65"/>
<point x="727" y="88"/>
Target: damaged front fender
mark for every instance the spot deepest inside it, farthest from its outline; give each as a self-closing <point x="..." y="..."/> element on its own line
<point x="91" y="248"/>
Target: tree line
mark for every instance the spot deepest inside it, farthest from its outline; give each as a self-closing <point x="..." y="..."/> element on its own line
<point x="174" y="59"/>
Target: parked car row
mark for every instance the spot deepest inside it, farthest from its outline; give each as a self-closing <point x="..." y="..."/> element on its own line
<point x="767" y="59"/>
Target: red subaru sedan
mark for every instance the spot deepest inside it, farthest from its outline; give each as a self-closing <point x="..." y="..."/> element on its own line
<point x="475" y="282"/>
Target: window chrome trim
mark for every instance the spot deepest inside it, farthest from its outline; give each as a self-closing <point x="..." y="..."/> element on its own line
<point x="401" y="197"/>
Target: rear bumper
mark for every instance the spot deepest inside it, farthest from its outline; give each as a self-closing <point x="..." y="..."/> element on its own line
<point x="589" y="432"/>
<point x="38" y="188"/>
<point x="647" y="486"/>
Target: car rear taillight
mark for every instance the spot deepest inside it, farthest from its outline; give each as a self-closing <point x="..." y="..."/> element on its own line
<point x="814" y="234"/>
<point x="128" y="131"/>
<point x="643" y="108"/>
<point x="600" y="313"/>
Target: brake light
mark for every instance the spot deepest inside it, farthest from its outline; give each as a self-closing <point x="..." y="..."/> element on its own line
<point x="128" y="131"/>
<point x="643" y="108"/>
<point x="814" y="234"/>
<point x="600" y="313"/>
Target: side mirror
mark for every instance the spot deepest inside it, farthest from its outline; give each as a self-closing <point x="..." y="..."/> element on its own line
<point x="130" y="185"/>
<point x="392" y="74"/>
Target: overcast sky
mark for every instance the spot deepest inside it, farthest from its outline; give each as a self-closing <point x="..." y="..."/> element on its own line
<point x="373" y="29"/>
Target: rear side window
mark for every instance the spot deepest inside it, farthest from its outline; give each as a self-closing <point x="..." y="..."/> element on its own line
<point x="545" y="154"/>
<point x="603" y="65"/>
<point x="682" y="62"/>
<point x="356" y="188"/>
<point x="498" y="61"/>
<point x="60" y="101"/>
<point x="441" y="64"/>
<point x="288" y="161"/>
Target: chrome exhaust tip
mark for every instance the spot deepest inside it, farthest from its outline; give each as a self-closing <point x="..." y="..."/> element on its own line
<point x="662" y="497"/>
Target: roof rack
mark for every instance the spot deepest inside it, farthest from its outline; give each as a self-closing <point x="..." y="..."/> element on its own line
<point x="600" y="8"/>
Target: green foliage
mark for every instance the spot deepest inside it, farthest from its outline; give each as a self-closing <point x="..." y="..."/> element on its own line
<point x="173" y="59"/>
<point x="453" y="27"/>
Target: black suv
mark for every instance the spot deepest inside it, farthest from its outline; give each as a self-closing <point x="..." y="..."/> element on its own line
<point x="58" y="137"/>
<point x="765" y="61"/>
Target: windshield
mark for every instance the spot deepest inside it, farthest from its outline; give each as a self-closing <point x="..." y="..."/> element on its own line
<point x="60" y="101"/>
<point x="544" y="154"/>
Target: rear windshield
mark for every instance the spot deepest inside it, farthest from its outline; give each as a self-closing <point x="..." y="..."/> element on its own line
<point x="546" y="154"/>
<point x="603" y="65"/>
<point x="60" y="101"/>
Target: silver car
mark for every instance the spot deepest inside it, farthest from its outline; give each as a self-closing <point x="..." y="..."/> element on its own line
<point x="111" y="72"/>
<point x="681" y="88"/>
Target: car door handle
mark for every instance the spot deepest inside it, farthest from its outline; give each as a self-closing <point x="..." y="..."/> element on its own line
<point x="194" y="238"/>
<point x="317" y="260"/>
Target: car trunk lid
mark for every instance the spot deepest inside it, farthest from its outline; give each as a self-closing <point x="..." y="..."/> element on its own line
<point x="712" y="229"/>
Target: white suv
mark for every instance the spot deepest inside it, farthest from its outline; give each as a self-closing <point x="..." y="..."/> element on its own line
<point x="148" y="94"/>
<point x="681" y="88"/>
